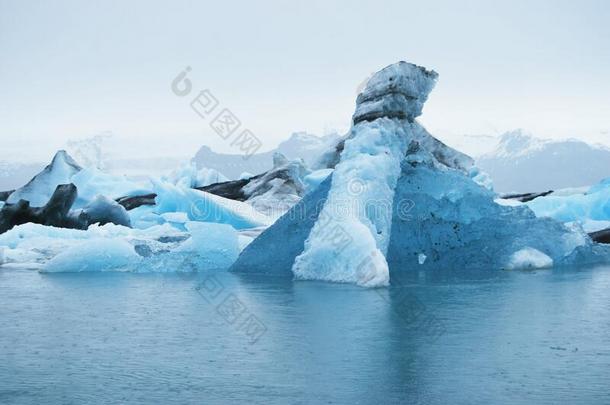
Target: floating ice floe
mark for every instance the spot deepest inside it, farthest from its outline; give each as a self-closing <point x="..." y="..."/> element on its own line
<point x="591" y="208"/>
<point x="162" y="248"/>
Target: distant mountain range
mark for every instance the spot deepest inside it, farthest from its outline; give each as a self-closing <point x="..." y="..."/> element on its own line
<point x="516" y="161"/>
<point x="521" y="162"/>
<point x="300" y="145"/>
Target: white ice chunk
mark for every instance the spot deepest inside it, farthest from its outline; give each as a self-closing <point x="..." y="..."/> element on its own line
<point x="103" y="209"/>
<point x="91" y="183"/>
<point x="94" y="255"/>
<point x="529" y="258"/>
<point x="206" y="207"/>
<point x="215" y="245"/>
<point x="421" y="258"/>
<point x="160" y="248"/>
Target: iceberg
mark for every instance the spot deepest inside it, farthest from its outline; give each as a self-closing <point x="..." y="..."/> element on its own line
<point x="277" y="190"/>
<point x="94" y="255"/>
<point x="161" y="248"/>
<point x="93" y="182"/>
<point x="205" y="207"/>
<point x="85" y="225"/>
<point x="529" y="258"/>
<point x="399" y="200"/>
<point x="102" y="210"/>
<point x="592" y="205"/>
<point x="58" y="211"/>
<point x="273" y="192"/>
<point x="590" y="209"/>
<point x="55" y="212"/>
<point x="66" y="195"/>
<point x="39" y="190"/>
<point x="90" y="183"/>
<point x="215" y="246"/>
<point x="190" y="177"/>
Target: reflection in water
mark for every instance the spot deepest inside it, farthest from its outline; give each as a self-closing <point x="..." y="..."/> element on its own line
<point x="433" y="337"/>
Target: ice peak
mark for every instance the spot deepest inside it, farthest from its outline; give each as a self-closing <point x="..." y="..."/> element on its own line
<point x="62" y="158"/>
<point x="40" y="188"/>
<point x="396" y="91"/>
<point x="279" y="159"/>
<point x="515" y="143"/>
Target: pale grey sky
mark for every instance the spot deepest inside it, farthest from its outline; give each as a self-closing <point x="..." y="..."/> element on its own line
<point x="71" y="69"/>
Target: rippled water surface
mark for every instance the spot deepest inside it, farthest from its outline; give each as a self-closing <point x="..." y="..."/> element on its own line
<point x="433" y="338"/>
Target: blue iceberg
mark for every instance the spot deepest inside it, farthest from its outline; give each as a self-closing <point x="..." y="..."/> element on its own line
<point x="400" y="200"/>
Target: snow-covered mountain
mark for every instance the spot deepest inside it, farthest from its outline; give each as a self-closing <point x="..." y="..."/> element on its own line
<point x="300" y="145"/>
<point x="521" y="162"/>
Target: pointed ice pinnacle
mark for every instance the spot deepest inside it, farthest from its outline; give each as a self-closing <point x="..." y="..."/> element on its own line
<point x="38" y="191"/>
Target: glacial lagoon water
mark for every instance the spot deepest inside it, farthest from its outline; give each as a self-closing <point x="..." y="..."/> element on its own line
<point x="211" y="338"/>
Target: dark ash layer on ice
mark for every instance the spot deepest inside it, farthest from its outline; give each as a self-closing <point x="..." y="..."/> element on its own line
<point x="398" y="91"/>
<point x="57" y="212"/>
<point x="272" y="192"/>
<point x="44" y="200"/>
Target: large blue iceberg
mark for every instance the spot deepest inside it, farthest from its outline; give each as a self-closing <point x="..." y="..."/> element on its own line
<point x="399" y="199"/>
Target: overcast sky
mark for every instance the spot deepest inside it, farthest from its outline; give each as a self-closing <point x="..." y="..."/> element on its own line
<point x="72" y="69"/>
